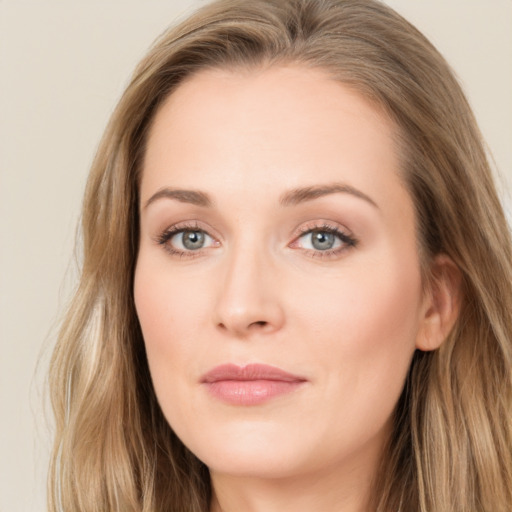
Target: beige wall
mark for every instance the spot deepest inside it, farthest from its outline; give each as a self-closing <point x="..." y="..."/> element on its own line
<point x="62" y="67"/>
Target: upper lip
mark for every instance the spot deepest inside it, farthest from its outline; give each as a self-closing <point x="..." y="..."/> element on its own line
<point x="248" y="373"/>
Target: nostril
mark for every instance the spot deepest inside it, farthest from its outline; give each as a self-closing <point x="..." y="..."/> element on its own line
<point x="260" y="323"/>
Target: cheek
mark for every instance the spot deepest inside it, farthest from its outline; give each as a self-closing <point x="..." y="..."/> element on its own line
<point x="167" y="302"/>
<point x="360" y="333"/>
<point x="154" y="307"/>
<point x="366" y="324"/>
<point x="374" y="300"/>
<point x="173" y="308"/>
<point x="166" y="312"/>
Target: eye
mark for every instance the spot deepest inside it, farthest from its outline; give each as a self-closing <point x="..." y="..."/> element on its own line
<point x="320" y="240"/>
<point x="184" y="241"/>
<point x="324" y="241"/>
<point x="190" y="240"/>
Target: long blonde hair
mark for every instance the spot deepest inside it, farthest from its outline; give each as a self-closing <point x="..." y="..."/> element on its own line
<point x="451" y="450"/>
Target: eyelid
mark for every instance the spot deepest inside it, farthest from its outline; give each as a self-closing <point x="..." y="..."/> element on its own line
<point x="322" y="225"/>
<point x="163" y="238"/>
<point x="187" y="225"/>
<point x="346" y="237"/>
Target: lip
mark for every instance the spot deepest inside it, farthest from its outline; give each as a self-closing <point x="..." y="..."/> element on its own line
<point x="252" y="384"/>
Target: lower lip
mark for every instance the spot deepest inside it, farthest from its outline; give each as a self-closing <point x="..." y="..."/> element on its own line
<point x="250" y="392"/>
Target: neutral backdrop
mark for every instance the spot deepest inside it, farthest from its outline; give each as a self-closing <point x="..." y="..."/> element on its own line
<point x="63" y="65"/>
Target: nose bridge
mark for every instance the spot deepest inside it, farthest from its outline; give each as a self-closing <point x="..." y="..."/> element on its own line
<point x="248" y="297"/>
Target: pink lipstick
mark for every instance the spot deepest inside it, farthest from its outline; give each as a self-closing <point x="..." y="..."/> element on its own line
<point x="249" y="385"/>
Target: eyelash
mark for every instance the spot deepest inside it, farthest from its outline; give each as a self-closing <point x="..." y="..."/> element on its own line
<point x="166" y="235"/>
<point x="348" y="241"/>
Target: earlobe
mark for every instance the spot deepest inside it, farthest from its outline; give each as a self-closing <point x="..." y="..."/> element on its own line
<point x="442" y="303"/>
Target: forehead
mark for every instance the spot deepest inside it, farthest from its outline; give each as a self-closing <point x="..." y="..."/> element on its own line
<point x="269" y="129"/>
<point x="296" y="96"/>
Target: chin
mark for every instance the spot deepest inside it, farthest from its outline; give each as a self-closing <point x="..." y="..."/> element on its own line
<point x="260" y="463"/>
<point x="258" y="450"/>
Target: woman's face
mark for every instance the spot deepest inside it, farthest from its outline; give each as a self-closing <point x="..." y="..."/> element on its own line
<point x="276" y="231"/>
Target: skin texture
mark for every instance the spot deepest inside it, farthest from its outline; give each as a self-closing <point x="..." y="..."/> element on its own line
<point x="258" y="291"/>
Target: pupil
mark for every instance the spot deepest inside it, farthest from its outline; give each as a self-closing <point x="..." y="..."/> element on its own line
<point x="322" y="240"/>
<point x="193" y="239"/>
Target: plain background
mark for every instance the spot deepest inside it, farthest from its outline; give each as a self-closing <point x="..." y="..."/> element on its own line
<point x="63" y="65"/>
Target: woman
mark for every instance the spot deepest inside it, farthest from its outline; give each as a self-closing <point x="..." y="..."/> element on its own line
<point x="296" y="286"/>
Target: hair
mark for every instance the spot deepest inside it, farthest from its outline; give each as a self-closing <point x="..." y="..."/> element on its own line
<point x="451" y="447"/>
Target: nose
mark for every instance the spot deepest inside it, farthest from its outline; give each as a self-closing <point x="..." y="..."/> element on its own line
<point x="249" y="300"/>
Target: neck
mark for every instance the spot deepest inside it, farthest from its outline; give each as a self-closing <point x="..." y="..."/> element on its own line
<point x="328" y="491"/>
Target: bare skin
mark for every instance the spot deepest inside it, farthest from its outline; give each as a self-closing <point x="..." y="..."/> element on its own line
<point x="275" y="230"/>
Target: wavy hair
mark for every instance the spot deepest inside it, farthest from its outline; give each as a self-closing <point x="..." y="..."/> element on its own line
<point x="451" y="448"/>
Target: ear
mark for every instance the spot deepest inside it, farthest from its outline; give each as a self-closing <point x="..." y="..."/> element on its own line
<point x="441" y="304"/>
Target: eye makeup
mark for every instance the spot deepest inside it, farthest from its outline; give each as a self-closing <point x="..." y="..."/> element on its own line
<point x="318" y="239"/>
<point x="326" y="240"/>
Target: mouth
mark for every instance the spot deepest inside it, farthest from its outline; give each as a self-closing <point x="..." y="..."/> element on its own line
<point x="253" y="384"/>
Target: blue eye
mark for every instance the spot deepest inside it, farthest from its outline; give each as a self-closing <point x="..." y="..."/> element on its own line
<point x="325" y="239"/>
<point x="186" y="240"/>
<point x="189" y="240"/>
<point x="322" y="240"/>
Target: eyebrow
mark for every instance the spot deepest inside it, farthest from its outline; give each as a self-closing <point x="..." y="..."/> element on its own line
<point x="290" y="198"/>
<point x="300" y="195"/>
<point x="194" y="197"/>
